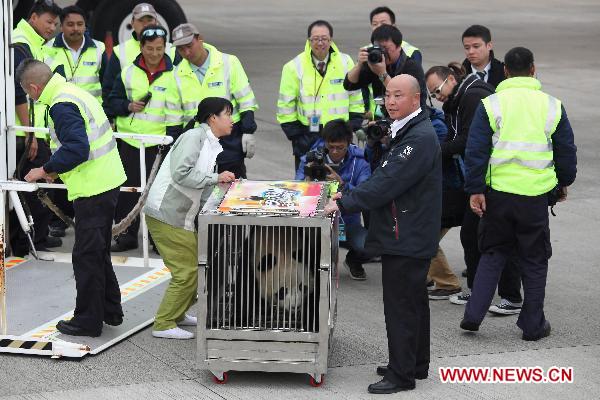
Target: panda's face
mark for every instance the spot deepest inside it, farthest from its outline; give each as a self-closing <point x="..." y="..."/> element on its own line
<point x="284" y="280"/>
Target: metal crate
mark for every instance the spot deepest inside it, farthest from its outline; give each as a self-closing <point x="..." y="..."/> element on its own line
<point x="267" y="291"/>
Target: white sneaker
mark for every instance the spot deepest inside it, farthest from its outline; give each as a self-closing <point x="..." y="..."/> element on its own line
<point x="460" y="299"/>
<point x="188" y="320"/>
<point x="173" y="333"/>
<point x="506" y="307"/>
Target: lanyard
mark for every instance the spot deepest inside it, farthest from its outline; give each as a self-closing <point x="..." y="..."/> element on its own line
<point x="319" y="88"/>
<point x="73" y="70"/>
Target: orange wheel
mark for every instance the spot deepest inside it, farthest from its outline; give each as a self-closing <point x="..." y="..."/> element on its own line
<point x="221" y="381"/>
<point x="314" y="383"/>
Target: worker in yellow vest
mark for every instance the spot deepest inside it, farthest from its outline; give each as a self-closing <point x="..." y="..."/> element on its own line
<point x="520" y="158"/>
<point x="311" y="92"/>
<point x="144" y="100"/>
<point x="88" y="163"/>
<point x="207" y="72"/>
<point x="82" y="61"/>
<point x="28" y="39"/>
<point x="125" y="53"/>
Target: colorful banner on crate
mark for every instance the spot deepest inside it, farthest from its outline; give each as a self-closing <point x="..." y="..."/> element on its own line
<point x="291" y="197"/>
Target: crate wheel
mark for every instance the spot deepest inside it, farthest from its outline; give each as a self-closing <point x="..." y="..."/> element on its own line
<point x="221" y="381"/>
<point x="314" y="383"/>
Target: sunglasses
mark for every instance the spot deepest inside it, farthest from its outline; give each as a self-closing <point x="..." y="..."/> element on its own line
<point x="154" y="32"/>
<point x="435" y="93"/>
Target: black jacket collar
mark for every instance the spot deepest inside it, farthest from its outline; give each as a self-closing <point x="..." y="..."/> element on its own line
<point x="420" y="117"/>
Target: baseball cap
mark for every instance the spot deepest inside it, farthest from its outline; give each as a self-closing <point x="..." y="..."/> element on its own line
<point x="142" y="10"/>
<point x="183" y="34"/>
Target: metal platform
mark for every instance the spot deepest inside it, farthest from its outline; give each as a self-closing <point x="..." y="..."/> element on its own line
<point x="41" y="293"/>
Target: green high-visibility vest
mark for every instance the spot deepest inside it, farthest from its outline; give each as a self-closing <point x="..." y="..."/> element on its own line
<point x="103" y="169"/>
<point x="523" y="119"/>
<point x="303" y="92"/>
<point x="24" y="33"/>
<point x="84" y="72"/>
<point x="163" y="109"/>
<point x="225" y="77"/>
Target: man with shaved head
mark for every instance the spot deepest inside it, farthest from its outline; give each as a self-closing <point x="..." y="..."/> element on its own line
<point x="87" y="161"/>
<point x="404" y="197"/>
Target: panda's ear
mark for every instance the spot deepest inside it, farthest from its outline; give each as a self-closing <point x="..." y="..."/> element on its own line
<point x="267" y="262"/>
<point x="298" y="255"/>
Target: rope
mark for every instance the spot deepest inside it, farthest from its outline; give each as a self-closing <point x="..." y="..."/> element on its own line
<point x="128" y="220"/>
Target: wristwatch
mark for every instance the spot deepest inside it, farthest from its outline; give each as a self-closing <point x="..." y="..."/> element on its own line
<point x="383" y="76"/>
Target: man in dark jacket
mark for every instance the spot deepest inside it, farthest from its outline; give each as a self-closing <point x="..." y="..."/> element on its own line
<point x="477" y="42"/>
<point x="404" y="196"/>
<point x="394" y="62"/>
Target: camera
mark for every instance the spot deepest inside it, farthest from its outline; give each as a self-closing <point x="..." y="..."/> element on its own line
<point x="378" y="130"/>
<point x="315" y="164"/>
<point x="375" y="53"/>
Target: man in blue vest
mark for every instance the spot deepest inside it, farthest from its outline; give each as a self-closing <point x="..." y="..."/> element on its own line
<point x="520" y="158"/>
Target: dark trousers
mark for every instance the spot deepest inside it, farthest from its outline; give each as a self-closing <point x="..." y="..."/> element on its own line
<point x="406" y="308"/>
<point x="509" y="286"/>
<point x="40" y="213"/>
<point x="130" y="156"/>
<point x="356" y="235"/>
<point x="98" y="293"/>
<point x="513" y="223"/>
<point x="237" y="168"/>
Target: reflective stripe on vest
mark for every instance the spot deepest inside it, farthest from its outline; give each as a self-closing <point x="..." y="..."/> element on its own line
<point x="522" y="146"/>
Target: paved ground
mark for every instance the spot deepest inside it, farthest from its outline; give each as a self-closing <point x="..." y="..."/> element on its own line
<point x="265" y="34"/>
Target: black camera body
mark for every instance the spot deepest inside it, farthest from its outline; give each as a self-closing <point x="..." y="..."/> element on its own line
<point x="379" y="129"/>
<point x="375" y="54"/>
<point x="315" y="164"/>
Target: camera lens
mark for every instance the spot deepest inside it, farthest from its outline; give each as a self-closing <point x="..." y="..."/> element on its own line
<point x="375" y="55"/>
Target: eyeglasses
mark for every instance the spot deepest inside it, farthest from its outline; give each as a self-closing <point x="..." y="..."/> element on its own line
<point x="337" y="149"/>
<point x="154" y="32"/>
<point x="322" y="39"/>
<point x="435" y="93"/>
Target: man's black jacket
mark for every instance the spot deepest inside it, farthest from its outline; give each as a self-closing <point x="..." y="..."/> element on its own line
<point x="404" y="194"/>
<point x="496" y="73"/>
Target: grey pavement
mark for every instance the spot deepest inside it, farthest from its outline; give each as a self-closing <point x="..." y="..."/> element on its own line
<point x="265" y="35"/>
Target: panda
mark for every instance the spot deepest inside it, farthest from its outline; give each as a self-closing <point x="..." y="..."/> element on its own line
<point x="270" y="281"/>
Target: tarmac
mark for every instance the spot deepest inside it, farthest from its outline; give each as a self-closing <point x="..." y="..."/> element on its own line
<point x="264" y="35"/>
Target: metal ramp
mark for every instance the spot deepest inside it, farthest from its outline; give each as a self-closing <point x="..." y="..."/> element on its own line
<point x="41" y="293"/>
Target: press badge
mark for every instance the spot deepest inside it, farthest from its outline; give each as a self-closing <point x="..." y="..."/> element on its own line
<point x="314" y="123"/>
<point x="342" y="231"/>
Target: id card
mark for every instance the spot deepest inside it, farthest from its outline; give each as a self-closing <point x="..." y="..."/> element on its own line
<point x="314" y="123"/>
<point x="342" y="230"/>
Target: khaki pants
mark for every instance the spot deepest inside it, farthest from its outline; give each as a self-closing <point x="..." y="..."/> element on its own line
<point x="439" y="269"/>
<point x="179" y="250"/>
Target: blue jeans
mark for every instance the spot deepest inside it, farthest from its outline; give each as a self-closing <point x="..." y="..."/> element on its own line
<point x="356" y="235"/>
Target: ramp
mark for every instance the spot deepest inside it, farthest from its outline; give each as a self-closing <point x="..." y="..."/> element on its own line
<point x="41" y="293"/>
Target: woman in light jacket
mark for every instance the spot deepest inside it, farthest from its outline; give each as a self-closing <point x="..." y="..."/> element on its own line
<point x="184" y="180"/>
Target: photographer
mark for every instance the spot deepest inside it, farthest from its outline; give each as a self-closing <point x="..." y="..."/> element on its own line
<point x="335" y="158"/>
<point x="379" y="63"/>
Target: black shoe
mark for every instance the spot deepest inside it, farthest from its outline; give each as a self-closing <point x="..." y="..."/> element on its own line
<point x="386" y="387"/>
<point x="68" y="328"/>
<point x="113" y="320"/>
<point x="545" y="333"/>
<point x="383" y="369"/>
<point x="56" y="231"/>
<point x="442" y="294"/>
<point x="464" y="273"/>
<point x="124" y="245"/>
<point x="52" y="242"/>
<point x="469" y="326"/>
<point x="357" y="272"/>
